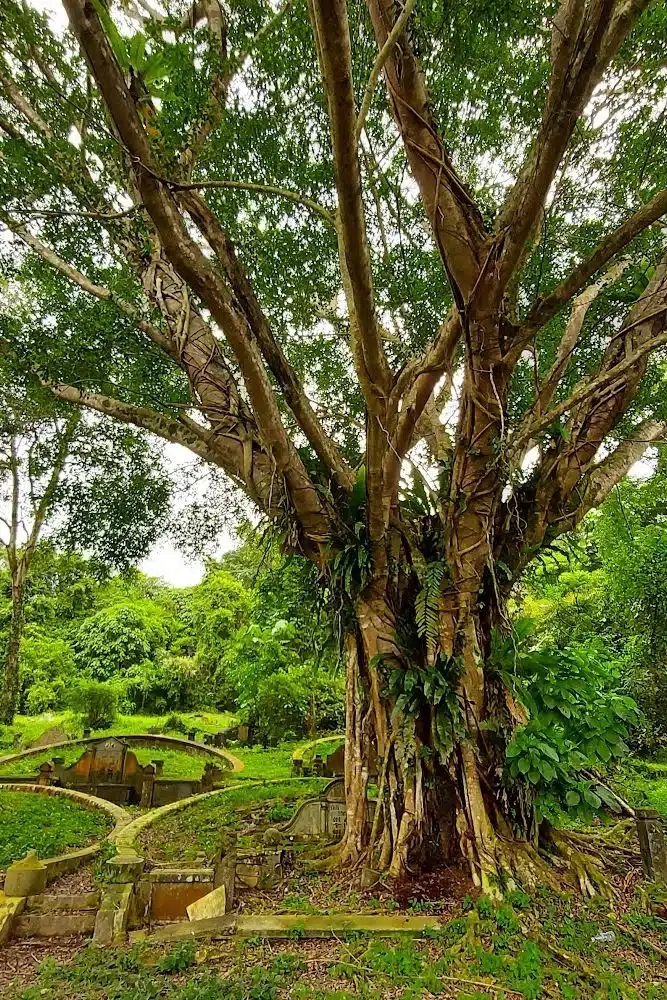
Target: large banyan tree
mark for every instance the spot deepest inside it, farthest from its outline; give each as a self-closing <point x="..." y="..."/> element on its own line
<point x="398" y="271"/>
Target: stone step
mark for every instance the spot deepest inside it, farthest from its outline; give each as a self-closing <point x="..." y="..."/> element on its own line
<point x="47" y="902"/>
<point x="280" y="925"/>
<point x="57" y="924"/>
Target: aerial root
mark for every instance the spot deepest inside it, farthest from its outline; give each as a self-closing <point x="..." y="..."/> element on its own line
<point x="585" y="866"/>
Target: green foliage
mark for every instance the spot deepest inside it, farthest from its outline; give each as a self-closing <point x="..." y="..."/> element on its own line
<point x="564" y="736"/>
<point x="46" y="824"/>
<point x="427" y="601"/>
<point x="606" y="592"/>
<point x="96" y="703"/>
<point x="431" y="689"/>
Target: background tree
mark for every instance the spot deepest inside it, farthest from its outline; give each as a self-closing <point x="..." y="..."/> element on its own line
<point x="436" y="348"/>
<point x="63" y="472"/>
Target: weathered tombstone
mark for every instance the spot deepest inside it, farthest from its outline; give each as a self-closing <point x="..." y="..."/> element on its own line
<point x="192" y="735"/>
<point x="55" y="734"/>
<point x="147" y="786"/>
<point x="86" y="734"/>
<point x="652" y="844"/>
<point x="318" y="765"/>
<point x="208" y="739"/>
<point x="109" y="761"/>
<point x="334" y="796"/>
<point x="159" y="767"/>
<point x="297" y="767"/>
<point x="219" y="739"/>
<point x="243" y="733"/>
<point x="335" y="763"/>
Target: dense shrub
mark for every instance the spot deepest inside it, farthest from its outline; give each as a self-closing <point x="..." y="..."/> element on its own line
<point x="96" y="703"/>
<point x="577" y="723"/>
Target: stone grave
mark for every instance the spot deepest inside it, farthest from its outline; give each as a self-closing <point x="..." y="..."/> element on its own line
<point x="111" y="771"/>
<point x="55" y="734"/>
<point x="323" y="817"/>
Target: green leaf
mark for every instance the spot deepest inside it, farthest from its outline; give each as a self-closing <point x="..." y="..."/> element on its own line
<point x="116" y="41"/>
<point x="572" y="797"/>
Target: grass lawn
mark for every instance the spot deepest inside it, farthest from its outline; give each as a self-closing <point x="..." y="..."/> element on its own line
<point x="643" y="783"/>
<point x="47" y="824"/>
<point x="195" y="831"/>
<point x="531" y="948"/>
<point x="30" y="727"/>
<point x="260" y="763"/>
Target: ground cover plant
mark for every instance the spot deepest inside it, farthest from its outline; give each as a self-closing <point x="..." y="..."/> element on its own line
<point x="196" y="830"/>
<point x="48" y="824"/>
<point x="540" y="947"/>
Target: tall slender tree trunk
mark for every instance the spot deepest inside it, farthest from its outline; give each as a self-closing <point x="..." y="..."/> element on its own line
<point x="10" y="687"/>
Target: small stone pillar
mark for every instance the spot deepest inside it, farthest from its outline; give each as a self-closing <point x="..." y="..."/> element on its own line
<point x="86" y="734"/>
<point x="127" y="866"/>
<point x="159" y="768"/>
<point x="243" y="734"/>
<point x="297" y="767"/>
<point x="58" y="766"/>
<point x="208" y="739"/>
<point x="218" y="739"/>
<point x="45" y="772"/>
<point x="225" y="867"/>
<point x="318" y="765"/>
<point x="652" y="844"/>
<point x="147" y="785"/>
<point x="26" y="877"/>
<point x="192" y="735"/>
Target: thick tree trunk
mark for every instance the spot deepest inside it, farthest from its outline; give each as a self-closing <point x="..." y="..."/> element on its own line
<point x="10" y="686"/>
<point x="440" y="790"/>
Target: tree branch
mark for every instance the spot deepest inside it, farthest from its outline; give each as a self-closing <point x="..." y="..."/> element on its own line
<point x="324" y="446"/>
<point x="611" y="245"/>
<point x="585" y="38"/>
<point x="580" y="307"/>
<point x="379" y="64"/>
<point x="178" y="430"/>
<point x="456" y="222"/>
<point x="333" y="42"/>
<point x="195" y="268"/>
<point x="298" y="199"/>
<point x="606" y="474"/>
<point x="99" y="291"/>
<point x="24" y="107"/>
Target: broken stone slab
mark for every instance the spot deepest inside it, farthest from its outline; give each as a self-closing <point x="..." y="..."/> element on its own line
<point x="112" y="917"/>
<point x="48" y="903"/>
<point x="10" y="908"/>
<point x="370" y="877"/>
<point x="287" y="925"/>
<point x="54" y="925"/>
<point x="26" y="877"/>
<point x="248" y="875"/>
<point x="213" y="904"/>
